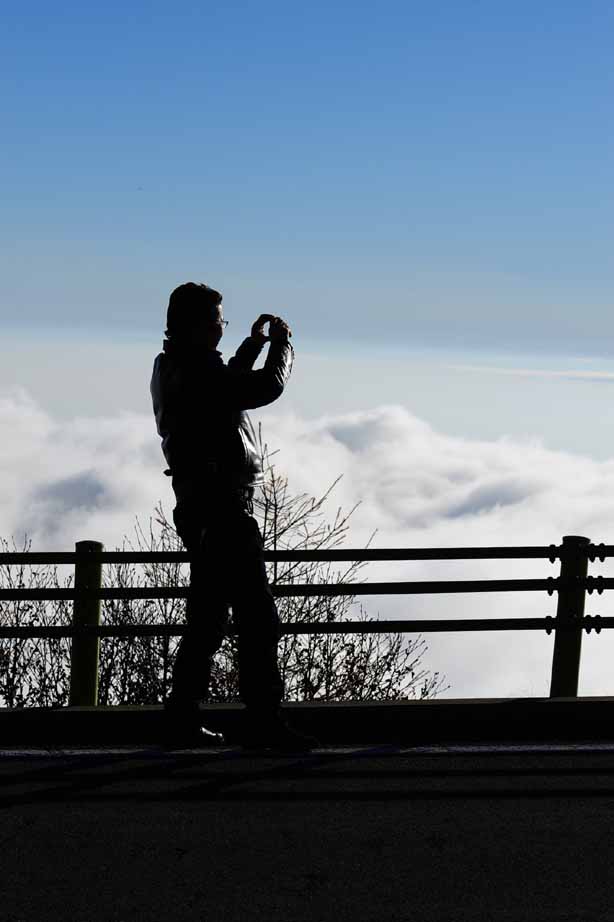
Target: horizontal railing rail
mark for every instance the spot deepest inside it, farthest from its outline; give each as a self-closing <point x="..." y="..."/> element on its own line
<point x="86" y="631"/>
<point x="550" y="552"/>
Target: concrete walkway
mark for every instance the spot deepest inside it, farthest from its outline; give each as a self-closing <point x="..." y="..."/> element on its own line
<point x="362" y="833"/>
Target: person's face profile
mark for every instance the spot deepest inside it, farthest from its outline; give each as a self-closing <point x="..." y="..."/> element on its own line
<point x="210" y="329"/>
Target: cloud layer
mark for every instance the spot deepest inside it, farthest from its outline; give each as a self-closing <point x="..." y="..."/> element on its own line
<point x="63" y="481"/>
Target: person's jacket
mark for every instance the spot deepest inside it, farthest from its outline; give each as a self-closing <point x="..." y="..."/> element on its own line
<point x="199" y="403"/>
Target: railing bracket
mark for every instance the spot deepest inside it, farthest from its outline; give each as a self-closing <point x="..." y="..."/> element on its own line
<point x="594" y="584"/>
<point x="597" y="553"/>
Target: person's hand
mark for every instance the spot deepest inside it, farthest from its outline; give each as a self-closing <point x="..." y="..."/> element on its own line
<point x="279" y="331"/>
<point x="258" y="326"/>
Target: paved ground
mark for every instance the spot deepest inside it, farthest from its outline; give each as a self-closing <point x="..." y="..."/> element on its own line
<point x="354" y="833"/>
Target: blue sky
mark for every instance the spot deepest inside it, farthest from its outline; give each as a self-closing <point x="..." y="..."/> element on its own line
<point x="404" y="174"/>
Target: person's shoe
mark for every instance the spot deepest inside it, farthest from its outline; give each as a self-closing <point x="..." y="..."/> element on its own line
<point x="191" y="737"/>
<point x="183" y="730"/>
<point x="276" y="734"/>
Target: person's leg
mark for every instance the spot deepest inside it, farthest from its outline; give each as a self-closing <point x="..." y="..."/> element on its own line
<point x="256" y="619"/>
<point x="206" y="614"/>
<point x="257" y="622"/>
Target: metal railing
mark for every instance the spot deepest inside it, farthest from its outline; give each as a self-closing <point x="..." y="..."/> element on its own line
<point x="571" y="587"/>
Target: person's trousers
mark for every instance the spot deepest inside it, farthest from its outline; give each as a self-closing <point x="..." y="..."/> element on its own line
<point x="227" y="571"/>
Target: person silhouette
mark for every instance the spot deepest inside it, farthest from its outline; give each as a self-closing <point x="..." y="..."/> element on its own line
<point x="213" y="458"/>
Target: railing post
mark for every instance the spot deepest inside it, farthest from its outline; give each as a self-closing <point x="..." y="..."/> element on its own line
<point x="570" y="607"/>
<point x="85" y="650"/>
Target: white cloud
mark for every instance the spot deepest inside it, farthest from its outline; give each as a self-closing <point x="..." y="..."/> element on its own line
<point x="63" y="481"/>
<point x="68" y="480"/>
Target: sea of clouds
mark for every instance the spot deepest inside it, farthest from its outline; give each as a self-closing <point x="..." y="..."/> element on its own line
<point x="89" y="478"/>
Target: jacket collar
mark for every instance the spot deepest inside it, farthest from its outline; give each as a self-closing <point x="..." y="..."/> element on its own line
<point x="188" y="351"/>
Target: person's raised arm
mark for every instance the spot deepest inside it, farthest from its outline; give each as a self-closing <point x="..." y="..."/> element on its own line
<point x="246" y="389"/>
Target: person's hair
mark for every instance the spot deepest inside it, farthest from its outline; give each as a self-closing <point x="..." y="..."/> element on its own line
<point x="186" y="307"/>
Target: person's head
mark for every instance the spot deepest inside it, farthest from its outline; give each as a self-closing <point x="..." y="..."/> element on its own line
<point x="195" y="314"/>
